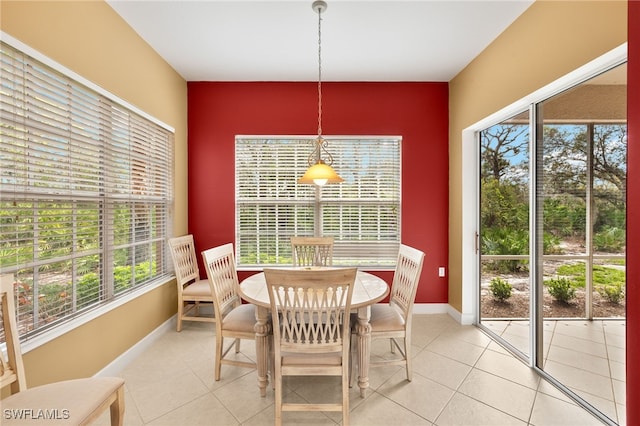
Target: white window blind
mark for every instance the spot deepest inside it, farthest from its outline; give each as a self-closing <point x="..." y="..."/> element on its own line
<point x="85" y="193"/>
<point x="362" y="213"/>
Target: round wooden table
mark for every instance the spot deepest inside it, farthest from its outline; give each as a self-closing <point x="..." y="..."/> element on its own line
<point x="368" y="290"/>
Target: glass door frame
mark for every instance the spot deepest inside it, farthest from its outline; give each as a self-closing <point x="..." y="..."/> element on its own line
<point x="471" y="205"/>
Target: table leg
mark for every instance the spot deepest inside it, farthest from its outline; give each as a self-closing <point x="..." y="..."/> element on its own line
<point x="262" y="348"/>
<point x="363" y="330"/>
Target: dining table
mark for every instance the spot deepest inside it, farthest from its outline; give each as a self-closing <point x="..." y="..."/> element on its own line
<point x="368" y="289"/>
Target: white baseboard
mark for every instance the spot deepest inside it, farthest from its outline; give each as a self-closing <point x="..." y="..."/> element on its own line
<point x="430" y="308"/>
<point x="464" y="319"/>
<point x="442" y="308"/>
<point x="119" y="364"/>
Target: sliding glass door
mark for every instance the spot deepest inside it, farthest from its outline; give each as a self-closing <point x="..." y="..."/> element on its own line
<point x="552" y="239"/>
<point x="504" y="231"/>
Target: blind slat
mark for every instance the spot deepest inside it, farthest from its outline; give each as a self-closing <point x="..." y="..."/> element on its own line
<point x="85" y="195"/>
<point x="362" y="214"/>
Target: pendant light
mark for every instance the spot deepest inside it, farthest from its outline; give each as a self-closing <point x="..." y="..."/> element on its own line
<point x="320" y="171"/>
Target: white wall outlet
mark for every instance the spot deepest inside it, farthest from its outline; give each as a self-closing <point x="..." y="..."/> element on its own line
<point x="441" y="271"/>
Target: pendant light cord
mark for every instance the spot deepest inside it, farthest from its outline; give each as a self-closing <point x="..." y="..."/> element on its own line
<point x="319" y="73"/>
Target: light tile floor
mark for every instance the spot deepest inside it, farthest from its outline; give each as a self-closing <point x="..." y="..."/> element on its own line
<point x="460" y="377"/>
<point x="586" y="356"/>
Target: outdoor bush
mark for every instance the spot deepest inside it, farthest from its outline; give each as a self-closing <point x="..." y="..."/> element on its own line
<point x="613" y="293"/>
<point x="500" y="289"/>
<point x="54" y="299"/>
<point x="561" y="289"/>
<point x="564" y="216"/>
<point x="88" y="289"/>
<point x="506" y="241"/>
<point x="611" y="239"/>
<point x="122" y="277"/>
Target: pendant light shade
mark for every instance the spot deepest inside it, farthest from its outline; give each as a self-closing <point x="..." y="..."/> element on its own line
<point x="320" y="171"/>
<point x="320" y="174"/>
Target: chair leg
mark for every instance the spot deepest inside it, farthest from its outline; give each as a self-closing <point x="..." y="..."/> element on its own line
<point x="407" y="355"/>
<point x="117" y="408"/>
<point x="180" y="311"/>
<point x="393" y="346"/>
<point x="345" y="396"/>
<point x="278" y="396"/>
<point x="219" y="348"/>
<point x="237" y="345"/>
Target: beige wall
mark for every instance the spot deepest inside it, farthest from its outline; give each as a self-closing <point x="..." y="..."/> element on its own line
<point x="89" y="38"/>
<point x="548" y="41"/>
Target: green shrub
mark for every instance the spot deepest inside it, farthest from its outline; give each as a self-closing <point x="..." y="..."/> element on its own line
<point x="561" y="289"/>
<point x="505" y="241"/>
<point x="88" y="289"/>
<point x="54" y="300"/>
<point x="610" y="239"/>
<point x="613" y="293"/>
<point x="500" y="289"/>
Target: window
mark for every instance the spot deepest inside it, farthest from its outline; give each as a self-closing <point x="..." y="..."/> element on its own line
<point x="362" y="213"/>
<point x="85" y="192"/>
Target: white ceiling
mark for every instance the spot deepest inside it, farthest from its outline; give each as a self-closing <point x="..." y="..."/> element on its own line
<point x="278" y="40"/>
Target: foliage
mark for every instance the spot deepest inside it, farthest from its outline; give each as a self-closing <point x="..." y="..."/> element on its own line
<point x="602" y="275"/>
<point x="551" y="244"/>
<point x="500" y="289"/>
<point x="506" y="241"/>
<point x="88" y="289"/>
<point x="505" y="194"/>
<point x="611" y="212"/>
<point x="89" y="284"/>
<point x="561" y="289"/>
<point x="504" y="205"/>
<point x="564" y="216"/>
<point x="501" y="145"/>
<point x="505" y="223"/>
<point x="54" y="300"/>
<point x="610" y="239"/>
<point x="255" y="258"/>
<point x="613" y="293"/>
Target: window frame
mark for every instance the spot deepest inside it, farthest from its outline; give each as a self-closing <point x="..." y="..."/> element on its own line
<point x="142" y="128"/>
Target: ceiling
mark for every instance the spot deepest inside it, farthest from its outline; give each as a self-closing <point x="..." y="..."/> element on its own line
<point x="278" y="40"/>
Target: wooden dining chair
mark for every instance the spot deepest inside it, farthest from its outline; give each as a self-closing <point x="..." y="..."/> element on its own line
<point x="311" y="334"/>
<point x="393" y="320"/>
<point x="192" y="291"/>
<point x="312" y="251"/>
<point x="235" y="320"/>
<point x="77" y="402"/>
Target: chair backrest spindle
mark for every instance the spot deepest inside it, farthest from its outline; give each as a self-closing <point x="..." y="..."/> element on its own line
<point x="314" y="308"/>
<point x="184" y="258"/>
<point x="221" y="269"/>
<point x="312" y="251"/>
<point x="405" y="279"/>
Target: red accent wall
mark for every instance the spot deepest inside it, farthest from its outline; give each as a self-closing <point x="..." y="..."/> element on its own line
<point x="633" y="215"/>
<point x="218" y="111"/>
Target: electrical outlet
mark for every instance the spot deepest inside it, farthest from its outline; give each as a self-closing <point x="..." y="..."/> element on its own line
<point x="441" y="271"/>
